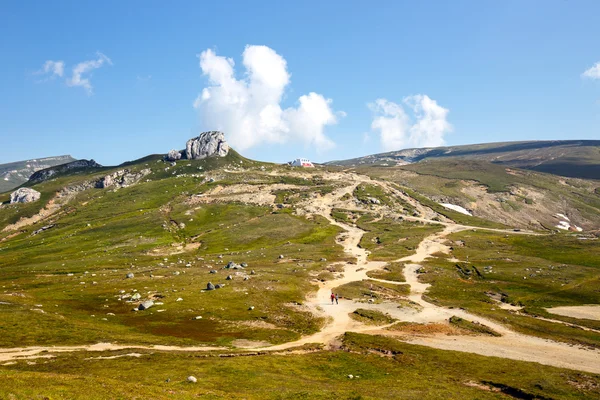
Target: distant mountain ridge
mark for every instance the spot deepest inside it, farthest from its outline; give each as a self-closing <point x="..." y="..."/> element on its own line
<point x="16" y="173"/>
<point x="571" y="158"/>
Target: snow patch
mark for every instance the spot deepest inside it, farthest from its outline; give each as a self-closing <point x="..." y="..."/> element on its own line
<point x="563" y="225"/>
<point x="563" y="216"/>
<point x="567" y="226"/>
<point x="456" y="208"/>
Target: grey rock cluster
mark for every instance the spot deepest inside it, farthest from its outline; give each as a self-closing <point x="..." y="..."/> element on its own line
<point x="232" y="265"/>
<point x="206" y="145"/>
<point x="122" y="178"/>
<point x="24" y="195"/>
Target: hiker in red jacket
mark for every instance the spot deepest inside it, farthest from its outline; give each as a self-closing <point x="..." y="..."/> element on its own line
<point x="332" y="298"/>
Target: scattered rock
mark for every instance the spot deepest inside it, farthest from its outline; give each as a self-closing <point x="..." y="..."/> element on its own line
<point x="145" y="305"/>
<point x="350" y="376"/>
<point x="136" y="296"/>
<point x="210" y="286"/>
<point x="197" y="317"/>
<point x="219" y="285"/>
<point x="129" y="275"/>
<point x="232" y="265"/>
<point x="179" y="299"/>
<point x="212" y="271"/>
<point x="229" y="277"/>
<point x="206" y="145"/>
<point x="250" y="308"/>
<point x="192" y="379"/>
<point x="252" y="272"/>
<point x="24" y="195"/>
<point x="42" y="229"/>
<point x="281" y="256"/>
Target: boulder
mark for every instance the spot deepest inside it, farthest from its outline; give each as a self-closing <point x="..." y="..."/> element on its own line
<point x="210" y="286"/>
<point x="145" y="305"/>
<point x="208" y="144"/>
<point x="24" y="195"/>
<point x="232" y="265"/>
<point x="173" y="155"/>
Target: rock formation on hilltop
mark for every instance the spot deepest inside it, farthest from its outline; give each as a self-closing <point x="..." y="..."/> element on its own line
<point x="24" y="195"/>
<point x="206" y="145"/>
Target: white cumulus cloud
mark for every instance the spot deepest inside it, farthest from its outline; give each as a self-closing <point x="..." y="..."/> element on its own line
<point x="84" y="68"/>
<point x="593" y="72"/>
<point x="54" y="68"/>
<point x="249" y="109"/>
<point x="418" y="122"/>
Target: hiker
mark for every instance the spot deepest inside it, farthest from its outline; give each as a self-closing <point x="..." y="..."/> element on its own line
<point x="332" y="298"/>
<point x="336" y="298"/>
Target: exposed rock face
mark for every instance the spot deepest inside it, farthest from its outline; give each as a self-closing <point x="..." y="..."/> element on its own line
<point x="48" y="173"/>
<point x="173" y="155"/>
<point x="24" y="195"/>
<point x="206" y="145"/>
<point x="122" y="178"/>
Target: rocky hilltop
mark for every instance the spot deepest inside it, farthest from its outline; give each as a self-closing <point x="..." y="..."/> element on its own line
<point x="17" y="173"/>
<point x="208" y="144"/>
<point x="48" y="173"/>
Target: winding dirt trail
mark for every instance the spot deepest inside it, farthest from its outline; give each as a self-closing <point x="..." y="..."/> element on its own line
<point x="510" y="345"/>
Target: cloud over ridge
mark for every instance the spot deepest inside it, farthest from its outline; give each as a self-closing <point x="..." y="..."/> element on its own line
<point x="249" y="110"/>
<point x="424" y="125"/>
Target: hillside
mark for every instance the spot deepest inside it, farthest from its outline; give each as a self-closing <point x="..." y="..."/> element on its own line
<point x="17" y="173"/>
<point x="214" y="266"/>
<point x="569" y="158"/>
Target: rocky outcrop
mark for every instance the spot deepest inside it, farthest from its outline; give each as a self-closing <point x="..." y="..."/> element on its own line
<point x="173" y="155"/>
<point x="24" y="195"/>
<point x="48" y="173"/>
<point x="208" y="144"/>
<point x="122" y="178"/>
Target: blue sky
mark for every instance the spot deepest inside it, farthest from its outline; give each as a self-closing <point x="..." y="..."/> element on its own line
<point x="383" y="75"/>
